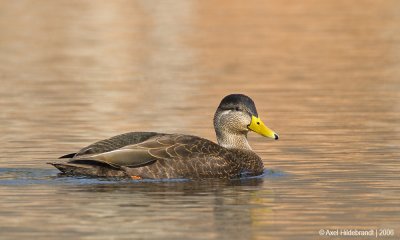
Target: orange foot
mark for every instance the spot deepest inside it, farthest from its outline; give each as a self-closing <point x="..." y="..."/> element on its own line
<point x="136" y="177"/>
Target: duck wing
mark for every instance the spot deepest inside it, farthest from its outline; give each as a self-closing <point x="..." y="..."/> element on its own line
<point x="165" y="147"/>
<point x="113" y="143"/>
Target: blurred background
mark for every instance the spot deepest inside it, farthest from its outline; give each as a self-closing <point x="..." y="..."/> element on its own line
<point x="323" y="74"/>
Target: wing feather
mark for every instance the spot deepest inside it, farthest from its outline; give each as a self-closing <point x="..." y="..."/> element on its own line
<point x="185" y="154"/>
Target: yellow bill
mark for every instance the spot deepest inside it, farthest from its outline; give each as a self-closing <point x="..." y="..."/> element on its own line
<point x="259" y="127"/>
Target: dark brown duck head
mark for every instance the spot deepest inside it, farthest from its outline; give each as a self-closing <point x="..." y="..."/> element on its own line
<point x="236" y="115"/>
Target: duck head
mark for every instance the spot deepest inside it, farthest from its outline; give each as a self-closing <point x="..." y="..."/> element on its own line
<point x="236" y="115"/>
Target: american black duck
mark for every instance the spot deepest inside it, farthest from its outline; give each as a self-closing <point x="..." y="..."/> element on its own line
<point x="144" y="155"/>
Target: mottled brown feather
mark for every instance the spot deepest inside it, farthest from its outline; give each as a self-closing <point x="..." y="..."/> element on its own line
<point x="150" y="155"/>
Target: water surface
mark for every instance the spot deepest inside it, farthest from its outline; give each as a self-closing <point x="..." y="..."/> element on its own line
<point x="324" y="75"/>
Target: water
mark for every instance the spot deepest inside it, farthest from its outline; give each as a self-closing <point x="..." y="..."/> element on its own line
<point x="324" y="75"/>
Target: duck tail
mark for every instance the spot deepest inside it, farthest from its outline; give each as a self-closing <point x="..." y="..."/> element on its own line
<point x="69" y="155"/>
<point x="66" y="168"/>
<point x="72" y="169"/>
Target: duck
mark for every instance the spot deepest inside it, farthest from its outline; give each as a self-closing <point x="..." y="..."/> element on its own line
<point x="152" y="155"/>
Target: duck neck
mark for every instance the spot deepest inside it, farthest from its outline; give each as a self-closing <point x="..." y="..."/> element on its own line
<point x="231" y="140"/>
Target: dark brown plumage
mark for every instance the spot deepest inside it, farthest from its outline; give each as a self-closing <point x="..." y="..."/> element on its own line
<point x="143" y="155"/>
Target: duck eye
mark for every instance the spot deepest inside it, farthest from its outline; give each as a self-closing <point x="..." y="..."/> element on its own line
<point x="258" y="123"/>
<point x="237" y="108"/>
